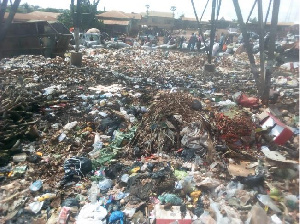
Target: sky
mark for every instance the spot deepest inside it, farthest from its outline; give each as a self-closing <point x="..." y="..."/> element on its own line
<point x="288" y="12"/>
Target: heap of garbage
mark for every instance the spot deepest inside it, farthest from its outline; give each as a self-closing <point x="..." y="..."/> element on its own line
<point x="146" y="136"/>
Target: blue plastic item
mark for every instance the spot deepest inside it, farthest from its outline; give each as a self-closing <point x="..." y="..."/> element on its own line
<point x="115" y="216"/>
<point x="35" y="186"/>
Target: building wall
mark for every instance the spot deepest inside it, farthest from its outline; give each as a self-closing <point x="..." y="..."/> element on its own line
<point x="159" y="22"/>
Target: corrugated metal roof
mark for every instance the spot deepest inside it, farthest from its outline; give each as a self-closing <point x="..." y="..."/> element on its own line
<point x="36" y="15"/>
<point x="158" y="14"/>
<point x="134" y="15"/>
<point x="116" y="22"/>
<point x="113" y="14"/>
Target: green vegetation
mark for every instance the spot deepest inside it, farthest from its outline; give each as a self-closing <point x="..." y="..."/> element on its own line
<point x="88" y="17"/>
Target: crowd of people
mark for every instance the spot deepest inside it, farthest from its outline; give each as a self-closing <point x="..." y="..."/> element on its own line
<point x="194" y="42"/>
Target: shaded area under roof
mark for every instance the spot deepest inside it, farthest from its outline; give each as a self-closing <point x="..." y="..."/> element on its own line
<point x="158" y="14"/>
<point x="116" y="22"/>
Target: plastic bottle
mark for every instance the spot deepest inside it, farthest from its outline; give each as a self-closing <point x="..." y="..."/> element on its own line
<point x="93" y="193"/>
<point x="267" y="201"/>
<point x="97" y="146"/>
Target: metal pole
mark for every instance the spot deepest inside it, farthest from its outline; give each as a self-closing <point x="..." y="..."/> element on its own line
<point x="77" y="25"/>
<point x="268" y="11"/>
<point x="204" y="10"/>
<point x="212" y="30"/>
<point x="199" y="26"/>
<point x="72" y="11"/>
<point x="246" y="40"/>
<point x="255" y="1"/>
<point x="76" y="57"/>
<point x="261" y="47"/>
<point x="271" y="56"/>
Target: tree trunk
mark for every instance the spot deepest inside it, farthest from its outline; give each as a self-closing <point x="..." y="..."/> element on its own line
<point x="3" y="6"/>
<point x="8" y="21"/>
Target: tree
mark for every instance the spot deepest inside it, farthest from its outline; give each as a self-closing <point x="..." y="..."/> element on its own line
<point x="4" y="25"/>
<point x="27" y="8"/>
<point x="52" y="10"/>
<point x="253" y="20"/>
<point x="36" y="7"/>
<point x="88" y="17"/>
<point x="66" y="18"/>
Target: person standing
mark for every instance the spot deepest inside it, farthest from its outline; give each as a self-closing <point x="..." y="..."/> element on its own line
<point x="182" y="39"/>
<point x="221" y="41"/>
<point x="198" y="43"/>
<point x="192" y="41"/>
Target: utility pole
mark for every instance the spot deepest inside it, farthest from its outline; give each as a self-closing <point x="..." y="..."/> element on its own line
<point x="173" y="9"/>
<point x="147" y="6"/>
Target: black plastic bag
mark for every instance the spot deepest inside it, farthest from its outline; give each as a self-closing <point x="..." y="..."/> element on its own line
<point x="70" y="202"/>
<point x="80" y="165"/>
